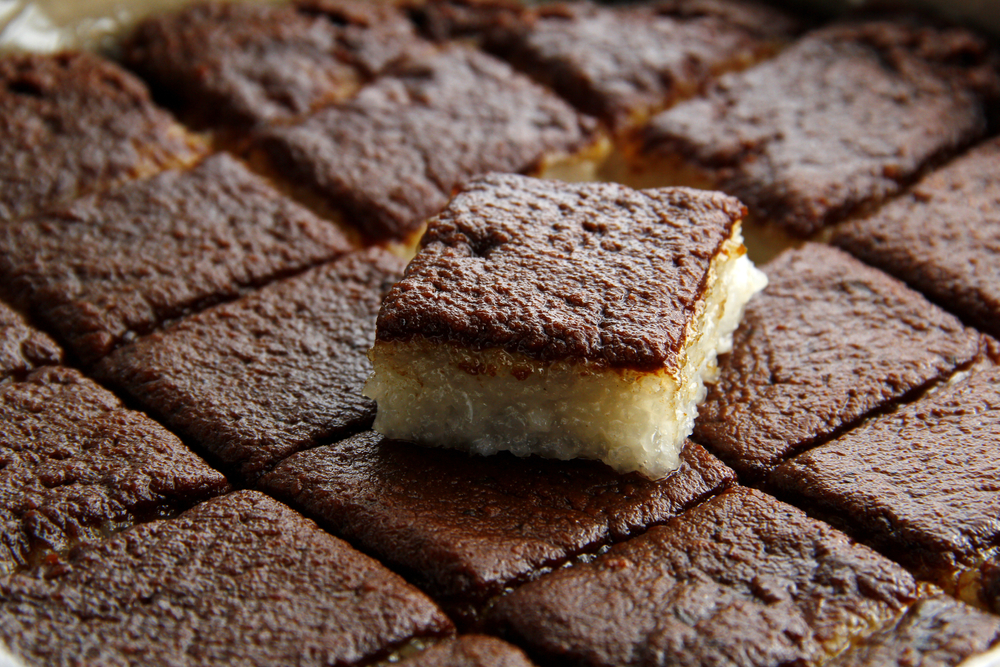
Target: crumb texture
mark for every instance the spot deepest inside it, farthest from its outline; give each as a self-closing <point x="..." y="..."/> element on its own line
<point x="237" y="580"/>
<point x="594" y="272"/>
<point x="742" y="579"/>
<point x="113" y="265"/>
<point x="75" y="464"/>
<point x="273" y="372"/>
<point x="829" y="341"/>
<point x="75" y="123"/>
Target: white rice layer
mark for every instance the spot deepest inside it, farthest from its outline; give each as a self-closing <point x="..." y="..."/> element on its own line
<point x="490" y="401"/>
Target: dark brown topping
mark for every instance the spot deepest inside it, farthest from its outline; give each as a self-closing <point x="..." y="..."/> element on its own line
<point x="22" y="348"/>
<point x="829" y="341"/>
<point x="122" y="262"/>
<point x="392" y="156"/>
<point x="469" y="651"/>
<point x="920" y="484"/>
<point x="741" y="579"/>
<point x="237" y="580"/>
<point x="617" y="62"/>
<point x="74" y="123"/>
<point x="75" y="465"/>
<point x="843" y="118"/>
<point x="464" y="527"/>
<point x="939" y="630"/>
<point x="942" y="237"/>
<point x="225" y="63"/>
<point x="595" y="272"/>
<point x="276" y="371"/>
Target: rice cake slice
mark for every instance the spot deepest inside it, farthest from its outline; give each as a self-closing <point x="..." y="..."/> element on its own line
<point x="234" y="65"/>
<point x="240" y="579"/>
<point x="942" y="237"/>
<point x="466" y="528"/>
<point x="841" y="120"/>
<point x="278" y="370"/>
<point x="829" y="342"/>
<point x="74" y="123"/>
<point x="78" y="465"/>
<point x="23" y="348"/>
<point x="562" y="320"/>
<point x="920" y="484"/>
<point x="390" y="157"/>
<point x="741" y="579"/>
<point x="121" y="263"/>
<point x="623" y="63"/>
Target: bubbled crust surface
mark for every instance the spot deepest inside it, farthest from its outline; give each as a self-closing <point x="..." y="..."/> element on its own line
<point x="122" y="262"/>
<point x="224" y="62"/>
<point x="465" y="527"/>
<point x="829" y="341"/>
<point x="942" y="237"/>
<point x="469" y="651"/>
<point x="76" y="464"/>
<point x="276" y="371"/>
<point x="75" y="123"/>
<point x="22" y="348"/>
<point x="596" y="272"/>
<point x="842" y="118"/>
<point x="742" y="579"/>
<point x="921" y="484"/>
<point x="237" y="580"/>
<point x="936" y="631"/>
<point x="390" y="157"/>
<point x="612" y="62"/>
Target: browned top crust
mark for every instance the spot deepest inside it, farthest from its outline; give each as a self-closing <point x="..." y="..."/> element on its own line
<point x="469" y="651"/>
<point x="244" y="63"/>
<point x="829" y="341"/>
<point x="237" y="580"/>
<point x="940" y="630"/>
<point x="465" y="527"/>
<point x="919" y="484"/>
<point x="23" y="348"/>
<point x="76" y="464"/>
<point x="74" y="123"/>
<point x="120" y="263"/>
<point x="843" y="118"/>
<point x="443" y="20"/>
<point x="942" y="237"/>
<point x="592" y="272"/>
<point x="391" y="157"/>
<point x="619" y="62"/>
<point x="276" y="371"/>
<point x="740" y="580"/>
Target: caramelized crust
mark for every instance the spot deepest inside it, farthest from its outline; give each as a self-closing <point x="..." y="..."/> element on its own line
<point x="22" y="348"/>
<point x="469" y="651"/>
<point x="75" y="123"/>
<point x="563" y="272"/>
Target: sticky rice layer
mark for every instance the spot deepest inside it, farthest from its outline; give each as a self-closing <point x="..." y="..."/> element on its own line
<point x="489" y="401"/>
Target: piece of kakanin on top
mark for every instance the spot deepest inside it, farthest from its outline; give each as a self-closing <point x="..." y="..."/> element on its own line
<point x="564" y="320"/>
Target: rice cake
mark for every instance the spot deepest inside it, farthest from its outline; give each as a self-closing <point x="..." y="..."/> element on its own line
<point x="469" y="651"/>
<point x="77" y="465"/>
<point x="240" y="579"/>
<point x="841" y="120"/>
<point x="830" y="341"/>
<point x="279" y="370"/>
<point x="741" y="579"/>
<point x="234" y="65"/>
<point x="934" y="631"/>
<point x="623" y="63"/>
<point x="942" y="237"/>
<point x="465" y="528"/>
<point x="73" y="123"/>
<point x="920" y="484"/>
<point x="23" y="348"/>
<point x="390" y="157"/>
<point x="123" y="262"/>
<point x="562" y="320"/>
